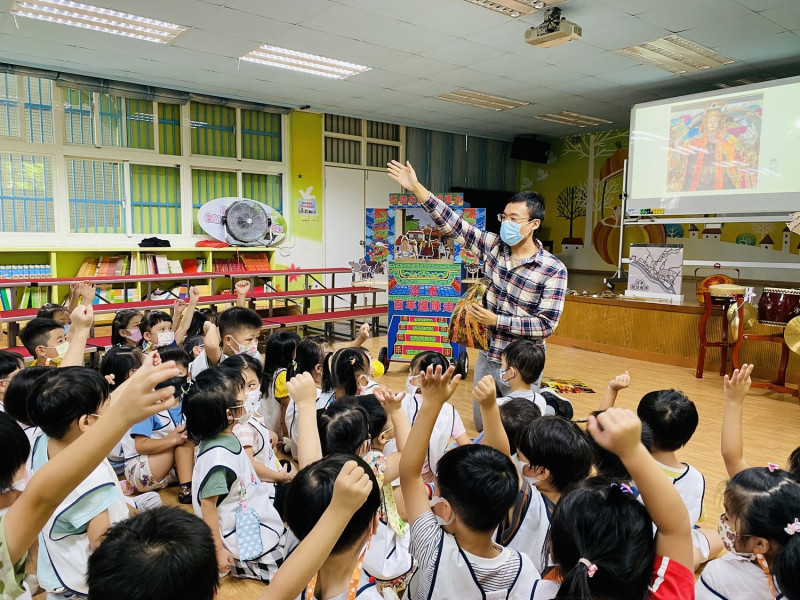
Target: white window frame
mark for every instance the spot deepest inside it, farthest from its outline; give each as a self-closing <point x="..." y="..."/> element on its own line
<point x="401" y="144"/>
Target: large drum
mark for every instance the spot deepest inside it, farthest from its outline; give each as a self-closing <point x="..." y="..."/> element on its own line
<point x="778" y="306"/>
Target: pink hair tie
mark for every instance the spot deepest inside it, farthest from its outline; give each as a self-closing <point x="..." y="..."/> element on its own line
<point x="591" y="568"/>
<point x="793" y="528"/>
<point x="772" y="467"/>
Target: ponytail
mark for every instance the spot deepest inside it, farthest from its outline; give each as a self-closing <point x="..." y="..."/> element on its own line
<point x="343" y="370"/>
<point x="575" y="583"/>
<point x="343" y="427"/>
<point x="786" y="567"/>
<point x="328" y="381"/>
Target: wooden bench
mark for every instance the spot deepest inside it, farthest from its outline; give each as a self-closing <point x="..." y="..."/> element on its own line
<point x="328" y="318"/>
<point x="306" y="295"/>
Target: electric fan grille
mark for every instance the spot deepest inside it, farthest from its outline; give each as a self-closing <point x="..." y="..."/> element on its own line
<point x="246" y="221"/>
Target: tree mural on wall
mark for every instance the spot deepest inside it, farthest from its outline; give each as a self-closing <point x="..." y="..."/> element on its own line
<point x="761" y="230"/>
<point x="591" y="147"/>
<point x="571" y="204"/>
<point x="674" y="230"/>
<point x="746" y="239"/>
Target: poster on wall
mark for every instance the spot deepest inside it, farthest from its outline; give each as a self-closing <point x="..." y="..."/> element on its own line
<point x="422" y="295"/>
<point x="656" y="271"/>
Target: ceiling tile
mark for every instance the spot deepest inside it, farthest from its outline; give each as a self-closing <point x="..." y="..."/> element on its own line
<point x="627" y="32"/>
<point x="463" y="53"/>
<point x="581" y="86"/>
<point x="636" y="75"/>
<point x="741" y="28"/>
<point x="347" y="21"/>
<point x="602" y="62"/>
<point x="312" y="41"/>
<point x="404" y="11"/>
<point x="290" y="12"/>
<point x="426" y="87"/>
<point x="419" y="66"/>
<point x="509" y="36"/>
<point x="410" y="38"/>
<point x="680" y="15"/>
<point x="559" y="55"/>
<point x="767" y="49"/>
<point x="214" y="43"/>
<point x="508" y="66"/>
<point x="384" y="79"/>
<point x="633" y="7"/>
<point x="458" y="18"/>
<point x="785" y="16"/>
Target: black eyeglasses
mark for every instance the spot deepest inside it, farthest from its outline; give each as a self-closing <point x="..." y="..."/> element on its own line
<point x="502" y="217"/>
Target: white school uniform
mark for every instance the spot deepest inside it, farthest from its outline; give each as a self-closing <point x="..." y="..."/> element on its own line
<point x="260" y="496"/>
<point x="366" y="591"/>
<point x="442" y="429"/>
<point x="63" y="542"/>
<point x="446" y="571"/>
<point x="534" y="397"/>
<point x="691" y="486"/>
<point x="270" y="408"/>
<point x="262" y="447"/>
<point x="531" y="534"/>
<point x="324" y="399"/>
<point x="733" y="577"/>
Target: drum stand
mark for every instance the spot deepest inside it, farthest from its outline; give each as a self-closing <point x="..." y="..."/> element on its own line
<point x="724" y="302"/>
<point x="779" y="384"/>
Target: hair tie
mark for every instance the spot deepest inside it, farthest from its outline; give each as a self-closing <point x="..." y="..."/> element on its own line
<point x="591" y="568"/>
<point x="772" y="467"/>
<point x="793" y="528"/>
<point x="352" y="360"/>
<point x="624" y="487"/>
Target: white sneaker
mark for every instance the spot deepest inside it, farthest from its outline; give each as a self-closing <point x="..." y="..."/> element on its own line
<point x="147" y="500"/>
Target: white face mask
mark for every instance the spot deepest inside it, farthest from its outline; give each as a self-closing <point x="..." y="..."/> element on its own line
<point x="251" y="350"/>
<point x="442" y="523"/>
<point x="61" y="351"/>
<point x="166" y="338"/>
<point x="245" y="416"/>
<point x="253" y="398"/>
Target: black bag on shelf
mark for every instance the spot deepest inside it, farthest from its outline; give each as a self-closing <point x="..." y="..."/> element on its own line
<point x="154" y="242"/>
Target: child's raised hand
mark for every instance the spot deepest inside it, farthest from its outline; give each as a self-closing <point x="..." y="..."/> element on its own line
<point x="87" y="291"/>
<point x="351" y="488"/>
<point x="438" y="387"/>
<point x="620" y="382"/>
<point x="82" y="317"/>
<point x="194" y="295"/>
<point x="618" y="430"/>
<point x="178" y="307"/>
<point x="738" y="384"/>
<point x="140" y="399"/>
<point x="485" y="393"/>
<point x="302" y="389"/>
<point x="110" y="378"/>
<point x="391" y="402"/>
<point x="363" y="331"/>
<point x="242" y="287"/>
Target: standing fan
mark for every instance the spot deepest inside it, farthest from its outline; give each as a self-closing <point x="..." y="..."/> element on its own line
<point x="247" y="224"/>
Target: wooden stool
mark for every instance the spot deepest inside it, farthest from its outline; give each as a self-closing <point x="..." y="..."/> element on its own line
<point x="723" y="302"/>
<point x="779" y="384"/>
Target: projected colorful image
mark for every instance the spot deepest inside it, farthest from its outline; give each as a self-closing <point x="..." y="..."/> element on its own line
<point x="715" y="145"/>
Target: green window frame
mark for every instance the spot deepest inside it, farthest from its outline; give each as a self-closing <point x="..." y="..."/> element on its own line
<point x="155" y="199"/>
<point x="208" y="186"/>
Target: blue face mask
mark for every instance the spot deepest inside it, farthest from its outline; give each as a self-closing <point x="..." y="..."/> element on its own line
<point x="66" y="328"/>
<point x="509" y="233"/>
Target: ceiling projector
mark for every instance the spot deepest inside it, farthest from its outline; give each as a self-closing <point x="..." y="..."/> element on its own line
<point x="555" y="30"/>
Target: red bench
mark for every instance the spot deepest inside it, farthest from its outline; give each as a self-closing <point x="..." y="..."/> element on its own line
<point x="328" y="318"/>
<point x="306" y="295"/>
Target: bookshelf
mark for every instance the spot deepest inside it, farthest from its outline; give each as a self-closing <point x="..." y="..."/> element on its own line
<point x="67" y="263"/>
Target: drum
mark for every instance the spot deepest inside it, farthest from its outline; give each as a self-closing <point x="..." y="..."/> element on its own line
<point x="706" y="283"/>
<point x="726" y="290"/>
<point x="778" y="306"/>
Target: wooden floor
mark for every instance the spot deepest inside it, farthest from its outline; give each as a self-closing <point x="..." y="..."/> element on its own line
<point x="772" y="421"/>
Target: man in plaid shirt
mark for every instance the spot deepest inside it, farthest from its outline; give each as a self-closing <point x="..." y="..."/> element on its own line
<point x="528" y="284"/>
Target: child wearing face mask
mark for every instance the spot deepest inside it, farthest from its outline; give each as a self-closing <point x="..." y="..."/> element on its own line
<point x="449" y="428"/>
<point x="249" y="535"/>
<point x="125" y="328"/>
<point x="760" y="529"/>
<point x="278" y="358"/>
<point x="350" y="372"/>
<point x="47" y="342"/>
<point x="308" y="358"/>
<point x="254" y="437"/>
<point x="236" y="332"/>
<point x="157" y="450"/>
<point x="156" y="330"/>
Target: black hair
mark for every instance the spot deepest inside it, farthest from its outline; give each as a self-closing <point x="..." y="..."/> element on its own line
<point x="533" y="202"/>
<point x="36" y="332"/>
<point x="598" y="521"/>
<point x="480" y="483"/>
<point x="342" y="370"/>
<point x="310" y="493"/>
<point x="153" y="318"/>
<point x="15" y="402"/>
<point x="121" y="320"/>
<point x="672" y="418"/>
<point x="14" y="448"/>
<point x="169" y="553"/>
<point x="307" y="355"/>
<point x="527" y="357"/>
<point x="278" y="354"/>
<point x="516" y="415"/>
<point x="766" y="502"/>
<point x="236" y="318"/>
<point x="50" y="310"/>
<point x="794" y="464"/>
<point x="119" y="361"/>
<point x="9" y="362"/>
<point x="239" y="362"/>
<point x="343" y="427"/>
<point x="560" y="446"/>
<point x="176" y="353"/>
<point x="607" y="464"/>
<point x="206" y="402"/>
<point x="426" y="359"/>
<point x="197" y="324"/>
<point x="192" y="342"/>
<point x="376" y="414"/>
<point x="60" y="397"/>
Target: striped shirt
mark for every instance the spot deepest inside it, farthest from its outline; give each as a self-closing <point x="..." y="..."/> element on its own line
<point x="527" y="297"/>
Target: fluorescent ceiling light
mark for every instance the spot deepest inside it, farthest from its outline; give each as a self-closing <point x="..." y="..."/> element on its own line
<point x="744" y="81"/>
<point x="573" y="118"/>
<point x="273" y="56"/>
<point x="676" y="55"/>
<point x="515" y="8"/>
<point x="86" y="16"/>
<point x="481" y="100"/>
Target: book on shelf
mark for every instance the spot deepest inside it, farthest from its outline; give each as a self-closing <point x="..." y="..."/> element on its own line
<point x="25" y="271"/>
<point x="105" y="266"/>
<point x="257" y="262"/>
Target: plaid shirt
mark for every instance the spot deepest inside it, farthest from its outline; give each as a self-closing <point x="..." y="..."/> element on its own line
<point x="527" y="297"/>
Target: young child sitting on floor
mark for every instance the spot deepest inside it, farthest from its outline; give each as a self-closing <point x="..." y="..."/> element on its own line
<point x="249" y="535"/>
<point x="117" y="365"/>
<point x="65" y="403"/>
<point x="308" y="358"/>
<point x="11" y="363"/>
<point x="17" y="399"/>
<point x="156" y="330"/>
<point x="452" y="533"/>
<point x="46" y="340"/>
<point x="236" y="332"/>
<point x="125" y="328"/>
<point x="601" y="537"/>
<point x="278" y="359"/>
<point x="157" y="451"/>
